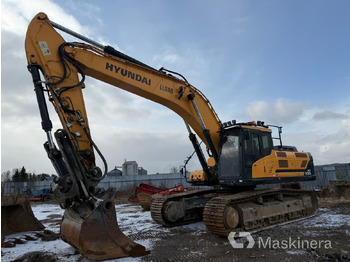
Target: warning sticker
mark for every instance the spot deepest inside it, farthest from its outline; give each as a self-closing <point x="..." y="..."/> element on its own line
<point x="44" y="48"/>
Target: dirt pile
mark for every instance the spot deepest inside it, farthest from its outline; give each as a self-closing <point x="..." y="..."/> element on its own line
<point x="37" y="257"/>
<point x="336" y="189"/>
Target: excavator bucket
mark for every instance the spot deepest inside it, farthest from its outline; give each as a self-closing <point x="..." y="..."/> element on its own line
<point x="97" y="235"/>
<point x="17" y="215"/>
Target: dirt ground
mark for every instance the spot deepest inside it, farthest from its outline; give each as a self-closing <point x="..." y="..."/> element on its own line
<point x="327" y="224"/>
<point x="322" y="237"/>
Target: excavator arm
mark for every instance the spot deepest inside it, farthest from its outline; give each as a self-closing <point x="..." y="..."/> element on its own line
<point x="60" y="63"/>
<point x="89" y="222"/>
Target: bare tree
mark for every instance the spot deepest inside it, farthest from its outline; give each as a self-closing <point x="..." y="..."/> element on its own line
<point x="6" y="176"/>
<point x="174" y="169"/>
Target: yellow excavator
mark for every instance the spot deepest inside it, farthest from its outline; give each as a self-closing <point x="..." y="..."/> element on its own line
<point x="241" y="155"/>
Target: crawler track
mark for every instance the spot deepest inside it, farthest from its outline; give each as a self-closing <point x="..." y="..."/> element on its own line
<point x="218" y="213"/>
<point x="158" y="204"/>
<point x="245" y="211"/>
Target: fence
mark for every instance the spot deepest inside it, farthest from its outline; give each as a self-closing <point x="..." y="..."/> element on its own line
<point x="24" y="187"/>
<point x="324" y="174"/>
<point x="327" y="173"/>
<point x="161" y="180"/>
<point x="118" y="182"/>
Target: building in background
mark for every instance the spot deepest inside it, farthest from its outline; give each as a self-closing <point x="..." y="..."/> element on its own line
<point x="115" y="172"/>
<point x="129" y="168"/>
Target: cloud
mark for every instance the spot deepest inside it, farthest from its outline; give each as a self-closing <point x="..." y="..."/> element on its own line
<point x="329" y="115"/>
<point x="338" y="143"/>
<point x="126" y="126"/>
<point x="187" y="61"/>
<point x="327" y="138"/>
<point x="156" y="151"/>
<point x="15" y="15"/>
<point x="326" y="144"/>
<point x="123" y="125"/>
<point x="279" y="112"/>
<point x="169" y="56"/>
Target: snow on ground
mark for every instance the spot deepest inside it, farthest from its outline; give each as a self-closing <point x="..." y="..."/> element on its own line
<point x="131" y="219"/>
<point x="43" y="212"/>
<point x="64" y="251"/>
<point x="139" y="226"/>
<point x="324" y="219"/>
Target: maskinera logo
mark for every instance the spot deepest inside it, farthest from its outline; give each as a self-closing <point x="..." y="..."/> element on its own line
<point x="276" y="243"/>
<point x="247" y="235"/>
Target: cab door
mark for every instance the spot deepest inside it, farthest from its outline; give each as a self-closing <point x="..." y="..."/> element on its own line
<point x="255" y="145"/>
<point x="251" y="151"/>
<point x="229" y="163"/>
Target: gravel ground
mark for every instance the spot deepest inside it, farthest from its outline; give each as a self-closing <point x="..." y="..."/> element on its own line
<point x="323" y="237"/>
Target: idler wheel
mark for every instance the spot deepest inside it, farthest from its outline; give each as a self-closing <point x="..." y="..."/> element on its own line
<point x="231" y="217"/>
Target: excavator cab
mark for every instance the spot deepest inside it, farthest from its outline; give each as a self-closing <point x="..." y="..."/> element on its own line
<point x="247" y="156"/>
<point x="242" y="144"/>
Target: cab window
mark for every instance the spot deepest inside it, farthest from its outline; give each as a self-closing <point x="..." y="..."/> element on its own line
<point x="266" y="143"/>
<point x="252" y="145"/>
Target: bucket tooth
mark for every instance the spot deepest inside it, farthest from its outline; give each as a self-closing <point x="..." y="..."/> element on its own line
<point x="98" y="236"/>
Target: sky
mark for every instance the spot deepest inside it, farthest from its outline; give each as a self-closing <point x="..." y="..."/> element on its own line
<point x="284" y="62"/>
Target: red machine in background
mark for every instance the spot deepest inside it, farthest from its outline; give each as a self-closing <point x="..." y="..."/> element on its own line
<point x="145" y="194"/>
